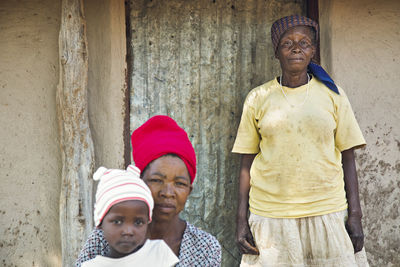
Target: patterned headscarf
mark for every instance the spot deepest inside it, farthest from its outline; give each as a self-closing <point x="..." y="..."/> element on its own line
<point x="280" y="26"/>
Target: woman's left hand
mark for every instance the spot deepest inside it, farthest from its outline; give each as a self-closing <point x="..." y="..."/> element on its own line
<point x="354" y="228"/>
<point x="353" y="224"/>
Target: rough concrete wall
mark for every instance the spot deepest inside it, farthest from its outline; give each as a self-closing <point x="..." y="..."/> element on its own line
<point x="196" y="61"/>
<point x="360" y="46"/>
<point x="106" y="82"/>
<point x="29" y="151"/>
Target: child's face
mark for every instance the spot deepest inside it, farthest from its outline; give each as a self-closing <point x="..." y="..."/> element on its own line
<point x="125" y="227"/>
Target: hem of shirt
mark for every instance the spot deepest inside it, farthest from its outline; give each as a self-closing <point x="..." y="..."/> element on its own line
<point x="265" y="214"/>
<point x="244" y="151"/>
<point x="356" y="146"/>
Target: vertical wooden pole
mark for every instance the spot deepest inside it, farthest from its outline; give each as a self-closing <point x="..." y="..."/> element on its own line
<point x="313" y="13"/>
<point x="75" y="137"/>
<point x="128" y="75"/>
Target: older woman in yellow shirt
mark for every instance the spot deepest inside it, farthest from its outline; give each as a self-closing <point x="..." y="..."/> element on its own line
<point x="298" y="176"/>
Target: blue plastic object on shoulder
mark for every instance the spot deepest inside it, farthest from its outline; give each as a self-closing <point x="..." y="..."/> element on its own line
<point x="323" y="76"/>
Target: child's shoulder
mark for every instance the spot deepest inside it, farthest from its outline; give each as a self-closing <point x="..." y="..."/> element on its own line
<point x="165" y="256"/>
<point x="155" y="244"/>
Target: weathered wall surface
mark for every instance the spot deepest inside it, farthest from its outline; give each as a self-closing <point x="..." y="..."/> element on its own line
<point x="29" y="150"/>
<point x="360" y="46"/>
<point x="106" y="41"/>
<point x="196" y="61"/>
<point x="30" y="160"/>
<point x="106" y="36"/>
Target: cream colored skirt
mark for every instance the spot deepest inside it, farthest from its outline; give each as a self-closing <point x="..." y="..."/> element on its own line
<point x="310" y="241"/>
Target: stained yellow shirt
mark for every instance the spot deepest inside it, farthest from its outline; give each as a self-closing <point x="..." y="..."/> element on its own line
<point x="298" y="170"/>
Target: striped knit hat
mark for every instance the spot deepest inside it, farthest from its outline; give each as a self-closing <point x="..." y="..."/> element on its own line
<point x="280" y="26"/>
<point x="116" y="186"/>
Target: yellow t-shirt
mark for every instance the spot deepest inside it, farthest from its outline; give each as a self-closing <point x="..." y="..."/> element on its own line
<point x="297" y="171"/>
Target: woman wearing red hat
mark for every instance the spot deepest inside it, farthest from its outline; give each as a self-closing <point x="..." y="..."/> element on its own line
<point x="298" y="177"/>
<point x="163" y="152"/>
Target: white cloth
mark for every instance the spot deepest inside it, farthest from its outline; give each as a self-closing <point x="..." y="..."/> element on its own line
<point x="317" y="241"/>
<point x="154" y="253"/>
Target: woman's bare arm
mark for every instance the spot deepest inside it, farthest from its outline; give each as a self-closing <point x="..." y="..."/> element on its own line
<point x="353" y="224"/>
<point x="244" y="238"/>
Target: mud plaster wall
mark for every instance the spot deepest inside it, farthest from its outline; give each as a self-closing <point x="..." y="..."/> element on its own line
<point x="106" y="36"/>
<point x="196" y="61"/>
<point x="29" y="146"/>
<point x="106" y="82"/>
<point x="360" y="46"/>
<point x="29" y="149"/>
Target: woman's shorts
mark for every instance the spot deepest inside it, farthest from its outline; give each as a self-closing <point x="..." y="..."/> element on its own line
<point x="310" y="241"/>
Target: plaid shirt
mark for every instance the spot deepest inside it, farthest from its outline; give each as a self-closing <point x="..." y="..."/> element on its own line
<point x="198" y="248"/>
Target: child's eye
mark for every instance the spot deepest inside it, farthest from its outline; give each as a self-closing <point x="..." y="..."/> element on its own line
<point x="117" y="222"/>
<point x="139" y="222"/>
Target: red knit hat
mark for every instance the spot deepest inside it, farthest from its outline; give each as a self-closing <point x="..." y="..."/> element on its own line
<point x="158" y="136"/>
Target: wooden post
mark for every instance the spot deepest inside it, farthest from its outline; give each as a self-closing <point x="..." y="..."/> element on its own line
<point x="313" y="13"/>
<point x="75" y="137"/>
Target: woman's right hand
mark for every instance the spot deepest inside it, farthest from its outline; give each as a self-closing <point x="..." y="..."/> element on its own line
<point x="244" y="238"/>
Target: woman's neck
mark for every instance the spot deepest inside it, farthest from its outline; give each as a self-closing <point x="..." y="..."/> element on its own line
<point x="294" y="80"/>
<point x="170" y="231"/>
<point x="161" y="229"/>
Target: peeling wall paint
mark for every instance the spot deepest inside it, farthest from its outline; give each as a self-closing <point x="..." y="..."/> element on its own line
<point x="379" y="177"/>
<point x="360" y="43"/>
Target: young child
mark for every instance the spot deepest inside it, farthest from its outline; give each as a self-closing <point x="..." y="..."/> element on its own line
<point x="123" y="211"/>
